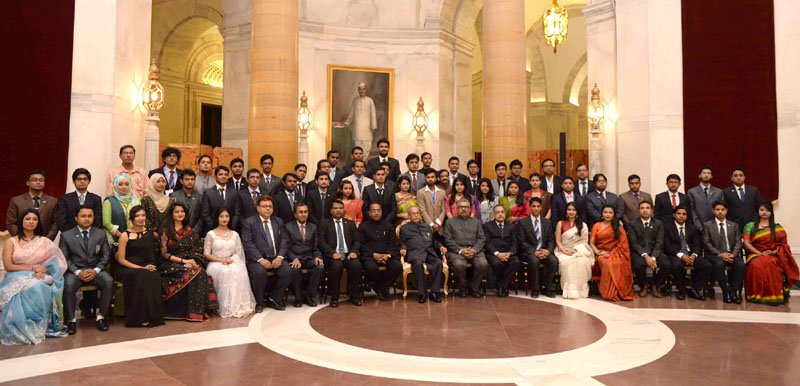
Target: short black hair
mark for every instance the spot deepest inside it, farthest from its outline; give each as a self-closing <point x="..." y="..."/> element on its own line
<point x="221" y="168"/>
<point x="253" y="171"/>
<point x="547" y="159"/>
<point x="35" y="171"/>
<point x="121" y="149"/>
<point x="534" y="199"/>
<point x="645" y="202"/>
<point x="84" y="206"/>
<point x="673" y="176"/>
<point x="680" y="206"/>
<point x="412" y="157"/>
<point x="287" y="175"/>
<point x="319" y="163"/>
<point x="331" y="151"/>
<point x="597" y="176"/>
<point x="170" y="151"/>
<point x="427" y="171"/>
<point x="321" y="174"/>
<point x="80" y="171"/>
<point x="706" y="167"/>
<point x="453" y="158"/>
<point x="300" y="165"/>
<point x="266" y="157"/>
<point x="353" y="150"/>
<point x="634" y="177"/>
<point x="499" y="165"/>
<point x="515" y="162"/>
<point x="237" y="160"/>
<point x="738" y="168"/>
<point x="300" y="204"/>
<point x="567" y="178"/>
<point x="717" y="203"/>
<point x="383" y="140"/>
<point x="188" y="172"/>
<point x="337" y="201"/>
<point x="200" y="158"/>
<point x="421" y="156"/>
<point x="359" y="160"/>
<point x="471" y="162"/>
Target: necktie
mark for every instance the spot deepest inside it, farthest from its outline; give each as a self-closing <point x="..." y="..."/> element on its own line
<point x="269" y="181"/>
<point x="85" y="240"/>
<point x="269" y="238"/>
<point x="360" y="184"/>
<point x="501" y="227"/>
<point x="380" y="194"/>
<point x="414" y="180"/>
<point x="36" y="203"/>
<point x="583" y="188"/>
<point x="81" y="199"/>
<point x="647" y="224"/>
<point x="603" y="196"/>
<point x="724" y="237"/>
<point x="474" y="185"/>
<point x="222" y="193"/>
<point x="674" y="201"/>
<point x="237" y="184"/>
<point x="300" y="187"/>
<point x="538" y="233"/>
<point x="638" y="200"/>
<point x="255" y="195"/>
<point x="502" y="186"/>
<point x="706" y="191"/>
<point x="290" y="195"/>
<point x="340" y="237"/>
<point x="684" y="246"/>
<point x="171" y="179"/>
<point x="741" y="194"/>
<point x="303" y="231"/>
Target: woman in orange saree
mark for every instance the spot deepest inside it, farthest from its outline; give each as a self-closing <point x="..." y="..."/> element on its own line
<point x="610" y="245"/>
<point x="769" y="260"/>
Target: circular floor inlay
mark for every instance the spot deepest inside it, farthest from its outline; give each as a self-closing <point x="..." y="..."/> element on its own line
<point x="460" y="328"/>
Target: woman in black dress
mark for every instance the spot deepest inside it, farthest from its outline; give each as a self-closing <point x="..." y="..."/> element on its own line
<point x="138" y="260"/>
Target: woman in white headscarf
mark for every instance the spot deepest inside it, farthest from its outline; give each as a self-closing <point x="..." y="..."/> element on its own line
<point x="156" y="202"/>
<point x="117" y="206"/>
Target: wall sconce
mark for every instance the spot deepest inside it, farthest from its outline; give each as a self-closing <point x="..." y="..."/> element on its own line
<point x="304" y="121"/>
<point x="556" y="22"/>
<point x="596" y="111"/>
<point x="420" y="123"/>
<point x="152" y="91"/>
<point x="152" y="100"/>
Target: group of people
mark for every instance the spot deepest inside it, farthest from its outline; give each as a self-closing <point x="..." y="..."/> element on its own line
<point x="184" y="244"/>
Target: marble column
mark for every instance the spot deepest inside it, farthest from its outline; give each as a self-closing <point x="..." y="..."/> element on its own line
<point x="236" y="93"/>
<point x="273" y="83"/>
<point x="504" y="83"/>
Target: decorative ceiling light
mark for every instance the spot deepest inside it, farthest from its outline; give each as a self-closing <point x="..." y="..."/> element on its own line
<point x="556" y="22"/>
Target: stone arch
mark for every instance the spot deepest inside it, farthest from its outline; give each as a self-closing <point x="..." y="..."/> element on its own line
<point x="577" y="76"/>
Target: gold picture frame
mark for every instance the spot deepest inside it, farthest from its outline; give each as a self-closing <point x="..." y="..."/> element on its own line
<point x="343" y="84"/>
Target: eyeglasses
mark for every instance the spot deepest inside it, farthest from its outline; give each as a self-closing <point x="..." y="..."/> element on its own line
<point x="36" y="179"/>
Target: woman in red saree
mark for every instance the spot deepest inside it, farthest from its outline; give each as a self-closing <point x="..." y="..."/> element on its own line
<point x="610" y="245"/>
<point x="769" y="260"/>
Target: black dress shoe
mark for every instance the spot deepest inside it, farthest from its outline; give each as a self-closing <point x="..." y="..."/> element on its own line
<point x="534" y="294"/>
<point x="501" y="293"/>
<point x="101" y="325"/>
<point x="298" y="303"/>
<point x="422" y="298"/>
<point x="334" y="303"/>
<point x="310" y="302"/>
<point x="462" y="293"/>
<point x="475" y="294"/>
<point x="727" y="298"/>
<point x="680" y="295"/>
<point x="692" y="293"/>
<point x="549" y="293"/>
<point x="435" y="297"/>
<point x="382" y="296"/>
<point x="276" y="305"/>
<point x="72" y="328"/>
<point x="736" y="298"/>
<point x="259" y="309"/>
<point x="356" y="302"/>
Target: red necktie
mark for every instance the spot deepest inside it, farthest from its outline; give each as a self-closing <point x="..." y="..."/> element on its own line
<point x="674" y="203"/>
<point x="414" y="181"/>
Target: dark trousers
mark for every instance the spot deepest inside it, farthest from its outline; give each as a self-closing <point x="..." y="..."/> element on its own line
<point x="640" y="270"/>
<point x="700" y="274"/>
<point x="550" y="269"/>
<point x="434" y="264"/>
<point x="315" y="273"/>
<point x="259" y="281"/>
<point x="103" y="281"/>
<point x="503" y="270"/>
<point x="458" y="268"/>
<point x="733" y="282"/>
<point x="382" y="279"/>
<point x="335" y="268"/>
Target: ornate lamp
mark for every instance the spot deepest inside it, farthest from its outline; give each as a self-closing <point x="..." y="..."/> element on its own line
<point x="420" y="123"/>
<point x="304" y="121"/>
<point x="556" y="22"/>
<point x="152" y="100"/>
<point x="596" y="111"/>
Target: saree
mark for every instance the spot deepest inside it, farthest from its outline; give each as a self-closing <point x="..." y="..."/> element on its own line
<point x="352" y="210"/>
<point x="616" y="277"/>
<point x="764" y="281"/>
<point x="576" y="270"/>
<point x="188" y="293"/>
<point x="32" y="308"/>
<point x="403" y="205"/>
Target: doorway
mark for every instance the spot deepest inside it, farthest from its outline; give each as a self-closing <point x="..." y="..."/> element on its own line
<point x="211" y="125"/>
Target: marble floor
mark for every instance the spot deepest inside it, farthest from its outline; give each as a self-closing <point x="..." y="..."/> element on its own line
<point x="515" y="340"/>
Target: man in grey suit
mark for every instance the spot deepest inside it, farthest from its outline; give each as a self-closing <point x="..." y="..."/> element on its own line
<point x="414" y="175"/>
<point x="646" y="238"/>
<point x="631" y="199"/>
<point x="302" y="241"/>
<point x="187" y="196"/>
<point x="723" y="244"/>
<point x="594" y="201"/>
<point x="500" y="183"/>
<point x="464" y="239"/>
<point x="270" y="183"/>
<point x="87" y="252"/>
<point x="702" y="196"/>
<point x="420" y="248"/>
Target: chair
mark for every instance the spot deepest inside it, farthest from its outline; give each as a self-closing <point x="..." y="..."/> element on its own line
<point x="407" y="268"/>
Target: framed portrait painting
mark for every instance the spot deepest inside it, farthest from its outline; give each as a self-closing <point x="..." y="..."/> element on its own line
<point x="359" y="108"/>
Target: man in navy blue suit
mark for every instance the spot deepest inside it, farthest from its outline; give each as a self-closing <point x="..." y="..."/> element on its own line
<point x="264" y="250"/>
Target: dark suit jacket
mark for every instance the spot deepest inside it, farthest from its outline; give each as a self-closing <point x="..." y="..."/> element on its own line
<point x="282" y="207"/>
<point x="558" y="206"/>
<point x="672" y="240"/>
<point x="663" y="206"/>
<point x="328" y="237"/>
<point x="506" y="240"/>
<point x="298" y="248"/>
<point x="212" y="202"/>
<point x="589" y="185"/>
<point x="388" y="205"/>
<point x="178" y="185"/>
<point x="593" y="206"/>
<point x="418" y="241"/>
<point x="272" y="189"/>
<point x="242" y="184"/>
<point x="48" y="210"/>
<point x="393" y="173"/>
<point x="556" y="184"/>
<point x="244" y="206"/>
<point x="97" y="256"/>
<point x="254" y="239"/>
<point x="302" y="188"/>
<point x="712" y="242"/>
<point x="378" y="237"/>
<point x="527" y="237"/>
<point x="68" y="207"/>
<point x="317" y="209"/>
<point x="649" y="241"/>
<point x="742" y="212"/>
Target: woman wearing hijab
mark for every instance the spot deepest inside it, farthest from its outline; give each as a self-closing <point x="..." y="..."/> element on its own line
<point x="156" y="202"/>
<point x="117" y="206"/>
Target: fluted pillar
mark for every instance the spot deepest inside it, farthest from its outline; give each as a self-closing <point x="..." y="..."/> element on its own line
<point x="504" y="83"/>
<point x="273" y="84"/>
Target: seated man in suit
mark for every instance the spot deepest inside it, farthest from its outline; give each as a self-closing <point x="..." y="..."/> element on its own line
<point x="247" y="197"/>
<point x="536" y="245"/>
<point x="359" y="180"/>
<point x="170" y="157"/>
<point x="683" y="245"/>
<point x="69" y="203"/>
<point x="501" y="249"/>
<point x="414" y="174"/>
<point x="340" y="243"/>
<point x="646" y="237"/>
<point x="320" y="197"/>
<point x="463" y="237"/>
<point x="383" y="156"/>
<point x="702" y="197"/>
<point x="217" y="197"/>
<point x="631" y="199"/>
<point x="88" y="253"/>
<point x="593" y="204"/>
<point x="287" y="198"/>
<point x="666" y="202"/>
<point x="302" y="243"/>
<point x="723" y="243"/>
<point x="431" y="202"/>
<point x="36" y="199"/>
<point x="269" y="183"/>
<point x="265" y="250"/>
<point x="567" y="194"/>
<point x="381" y="192"/>
<point x="742" y="200"/>
<point x="420" y="249"/>
<point x="379" y="247"/>
<point x="187" y="196"/>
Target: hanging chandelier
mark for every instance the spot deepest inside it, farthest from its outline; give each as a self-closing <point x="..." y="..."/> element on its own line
<point x="555" y="21"/>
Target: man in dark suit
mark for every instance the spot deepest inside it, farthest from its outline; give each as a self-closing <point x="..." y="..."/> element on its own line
<point x="723" y="243"/>
<point x="381" y="192"/>
<point x="238" y="180"/>
<point x="217" y="197"/>
<point x="170" y="157"/>
<point x="336" y="173"/>
<point x="323" y="166"/>
<point x="287" y="198"/>
<point x="666" y="202"/>
<point x="340" y="243"/>
<point x="646" y="237"/>
<point x="36" y="199"/>
<point x="187" y="196"/>
<point x="270" y="183"/>
<point x="594" y="201"/>
<point x="742" y="200"/>
<point x="302" y="242"/>
<point x="414" y="175"/>
<point x="421" y="249"/>
<point x="356" y="154"/>
<point x="247" y="197"/>
<point x="463" y="237"/>
<point x="501" y="249"/>
<point x="265" y="250"/>
<point x="583" y="185"/>
<point x="88" y="254"/>
<point x="702" y="197"/>
<point x="567" y="194"/>
<point x="320" y="198"/>
<point x="69" y="203"/>
<point x="536" y="245"/>
<point x="383" y="156"/>
<point x="474" y="170"/>
<point x="683" y="245"/>
<point x="516" y="175"/>
<point x="302" y="187"/>
<point x="379" y="248"/>
<point x="550" y="181"/>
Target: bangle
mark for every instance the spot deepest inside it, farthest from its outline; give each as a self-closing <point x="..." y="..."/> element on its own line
<point x="182" y="261"/>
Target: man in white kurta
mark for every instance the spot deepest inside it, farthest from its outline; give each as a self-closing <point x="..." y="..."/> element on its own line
<point x="361" y="119"/>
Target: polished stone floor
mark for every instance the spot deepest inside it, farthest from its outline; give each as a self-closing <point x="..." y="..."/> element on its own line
<point x="515" y="340"/>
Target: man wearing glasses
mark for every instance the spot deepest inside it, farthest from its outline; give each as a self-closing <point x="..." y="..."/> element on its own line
<point x="34" y="198"/>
